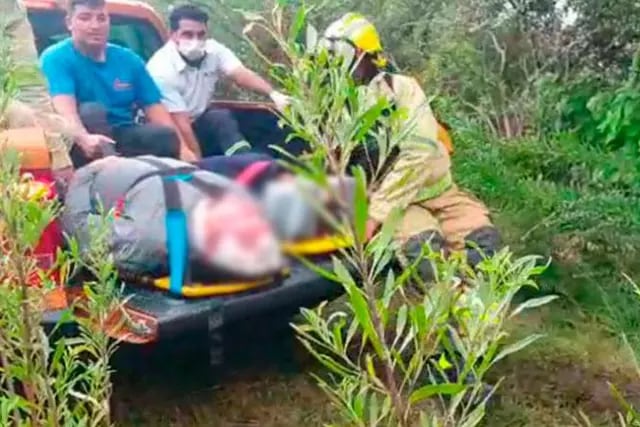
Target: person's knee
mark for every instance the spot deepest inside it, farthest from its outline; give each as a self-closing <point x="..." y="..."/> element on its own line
<point x="162" y="141"/>
<point x="482" y="243"/>
<point x="219" y="134"/>
<point x="219" y="117"/>
<point x="168" y="142"/>
<point x="93" y="116"/>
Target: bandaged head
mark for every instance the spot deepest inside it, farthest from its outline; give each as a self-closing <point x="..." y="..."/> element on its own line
<point x="232" y="234"/>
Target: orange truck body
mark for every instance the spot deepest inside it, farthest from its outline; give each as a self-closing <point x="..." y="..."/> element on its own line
<point x="135" y="9"/>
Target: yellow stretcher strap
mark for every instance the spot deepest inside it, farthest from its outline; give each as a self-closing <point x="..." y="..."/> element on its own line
<point x="319" y="246"/>
<point x="201" y="290"/>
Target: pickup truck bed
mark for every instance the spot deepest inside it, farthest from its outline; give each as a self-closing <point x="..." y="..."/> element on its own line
<point x="179" y="316"/>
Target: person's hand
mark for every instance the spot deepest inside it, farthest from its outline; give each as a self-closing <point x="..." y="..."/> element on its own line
<point x="280" y="99"/>
<point x="189" y="156"/>
<point x="92" y="145"/>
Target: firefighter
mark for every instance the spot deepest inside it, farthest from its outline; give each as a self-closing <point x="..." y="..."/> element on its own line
<point x="418" y="178"/>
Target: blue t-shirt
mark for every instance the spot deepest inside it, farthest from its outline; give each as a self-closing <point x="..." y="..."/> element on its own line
<point x="121" y="83"/>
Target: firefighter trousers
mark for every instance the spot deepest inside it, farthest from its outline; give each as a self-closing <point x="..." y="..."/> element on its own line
<point x="451" y="222"/>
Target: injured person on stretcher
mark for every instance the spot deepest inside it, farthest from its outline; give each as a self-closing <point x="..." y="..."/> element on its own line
<point x="238" y="210"/>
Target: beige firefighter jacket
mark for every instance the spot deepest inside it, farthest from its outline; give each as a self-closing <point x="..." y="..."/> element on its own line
<point x="422" y="169"/>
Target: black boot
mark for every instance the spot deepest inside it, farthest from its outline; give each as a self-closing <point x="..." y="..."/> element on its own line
<point x="481" y="243"/>
<point x="412" y="250"/>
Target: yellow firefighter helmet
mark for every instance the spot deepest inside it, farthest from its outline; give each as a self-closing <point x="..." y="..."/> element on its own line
<point x="355" y="31"/>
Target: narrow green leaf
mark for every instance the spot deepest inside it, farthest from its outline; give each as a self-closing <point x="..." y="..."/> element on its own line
<point x="311" y="38"/>
<point x="533" y="303"/>
<point x="371" y="370"/>
<point x="362" y="314"/>
<point x="236" y="147"/>
<point x="326" y="273"/>
<point x="401" y="320"/>
<point x="383" y="239"/>
<point x="367" y="120"/>
<point x="342" y="273"/>
<point x="390" y="286"/>
<point x="475" y="417"/>
<point x="361" y="204"/>
<point x="515" y="347"/>
<point x="338" y="328"/>
<point x="359" y="403"/>
<point x="443" y="363"/>
<point x="431" y="390"/>
<point x="298" y="23"/>
<point x="374" y="409"/>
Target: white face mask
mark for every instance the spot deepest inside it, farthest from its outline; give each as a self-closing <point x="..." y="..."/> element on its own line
<point x="192" y="49"/>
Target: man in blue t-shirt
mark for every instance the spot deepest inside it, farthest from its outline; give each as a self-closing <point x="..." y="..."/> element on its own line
<point x="99" y="87"/>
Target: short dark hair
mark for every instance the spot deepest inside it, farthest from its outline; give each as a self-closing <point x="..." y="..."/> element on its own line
<point x="187" y="11"/>
<point x="89" y="3"/>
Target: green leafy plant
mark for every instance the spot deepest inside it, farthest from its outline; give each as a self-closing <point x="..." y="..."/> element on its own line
<point x="8" y="70"/>
<point x="630" y="415"/>
<point x="399" y="351"/>
<point x="48" y="378"/>
<point x="604" y="113"/>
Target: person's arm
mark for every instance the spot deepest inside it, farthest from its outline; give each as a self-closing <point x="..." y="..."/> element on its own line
<point x="158" y="114"/>
<point x="62" y="91"/>
<point x="66" y="106"/>
<point x="239" y="74"/>
<point x="150" y="99"/>
<point x="422" y="163"/>
<point x="182" y="121"/>
<point x="248" y="79"/>
<point x="176" y="105"/>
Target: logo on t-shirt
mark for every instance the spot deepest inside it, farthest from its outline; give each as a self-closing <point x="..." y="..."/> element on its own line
<point x="120" y="85"/>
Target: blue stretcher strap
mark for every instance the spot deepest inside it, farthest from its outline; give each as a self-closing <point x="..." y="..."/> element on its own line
<point x="176" y="219"/>
<point x="177" y="234"/>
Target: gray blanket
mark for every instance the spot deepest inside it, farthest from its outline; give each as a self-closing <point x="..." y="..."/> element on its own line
<point x="138" y="236"/>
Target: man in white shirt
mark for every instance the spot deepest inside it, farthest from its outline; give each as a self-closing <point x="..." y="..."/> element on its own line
<point x="187" y="68"/>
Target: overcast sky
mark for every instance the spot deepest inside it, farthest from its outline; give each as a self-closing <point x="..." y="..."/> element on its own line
<point x="570" y="16"/>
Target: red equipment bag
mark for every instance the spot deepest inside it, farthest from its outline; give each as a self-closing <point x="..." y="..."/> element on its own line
<point x="51" y="239"/>
<point x="36" y="161"/>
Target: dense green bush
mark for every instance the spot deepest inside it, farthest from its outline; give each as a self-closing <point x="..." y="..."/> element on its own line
<point x="601" y="112"/>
